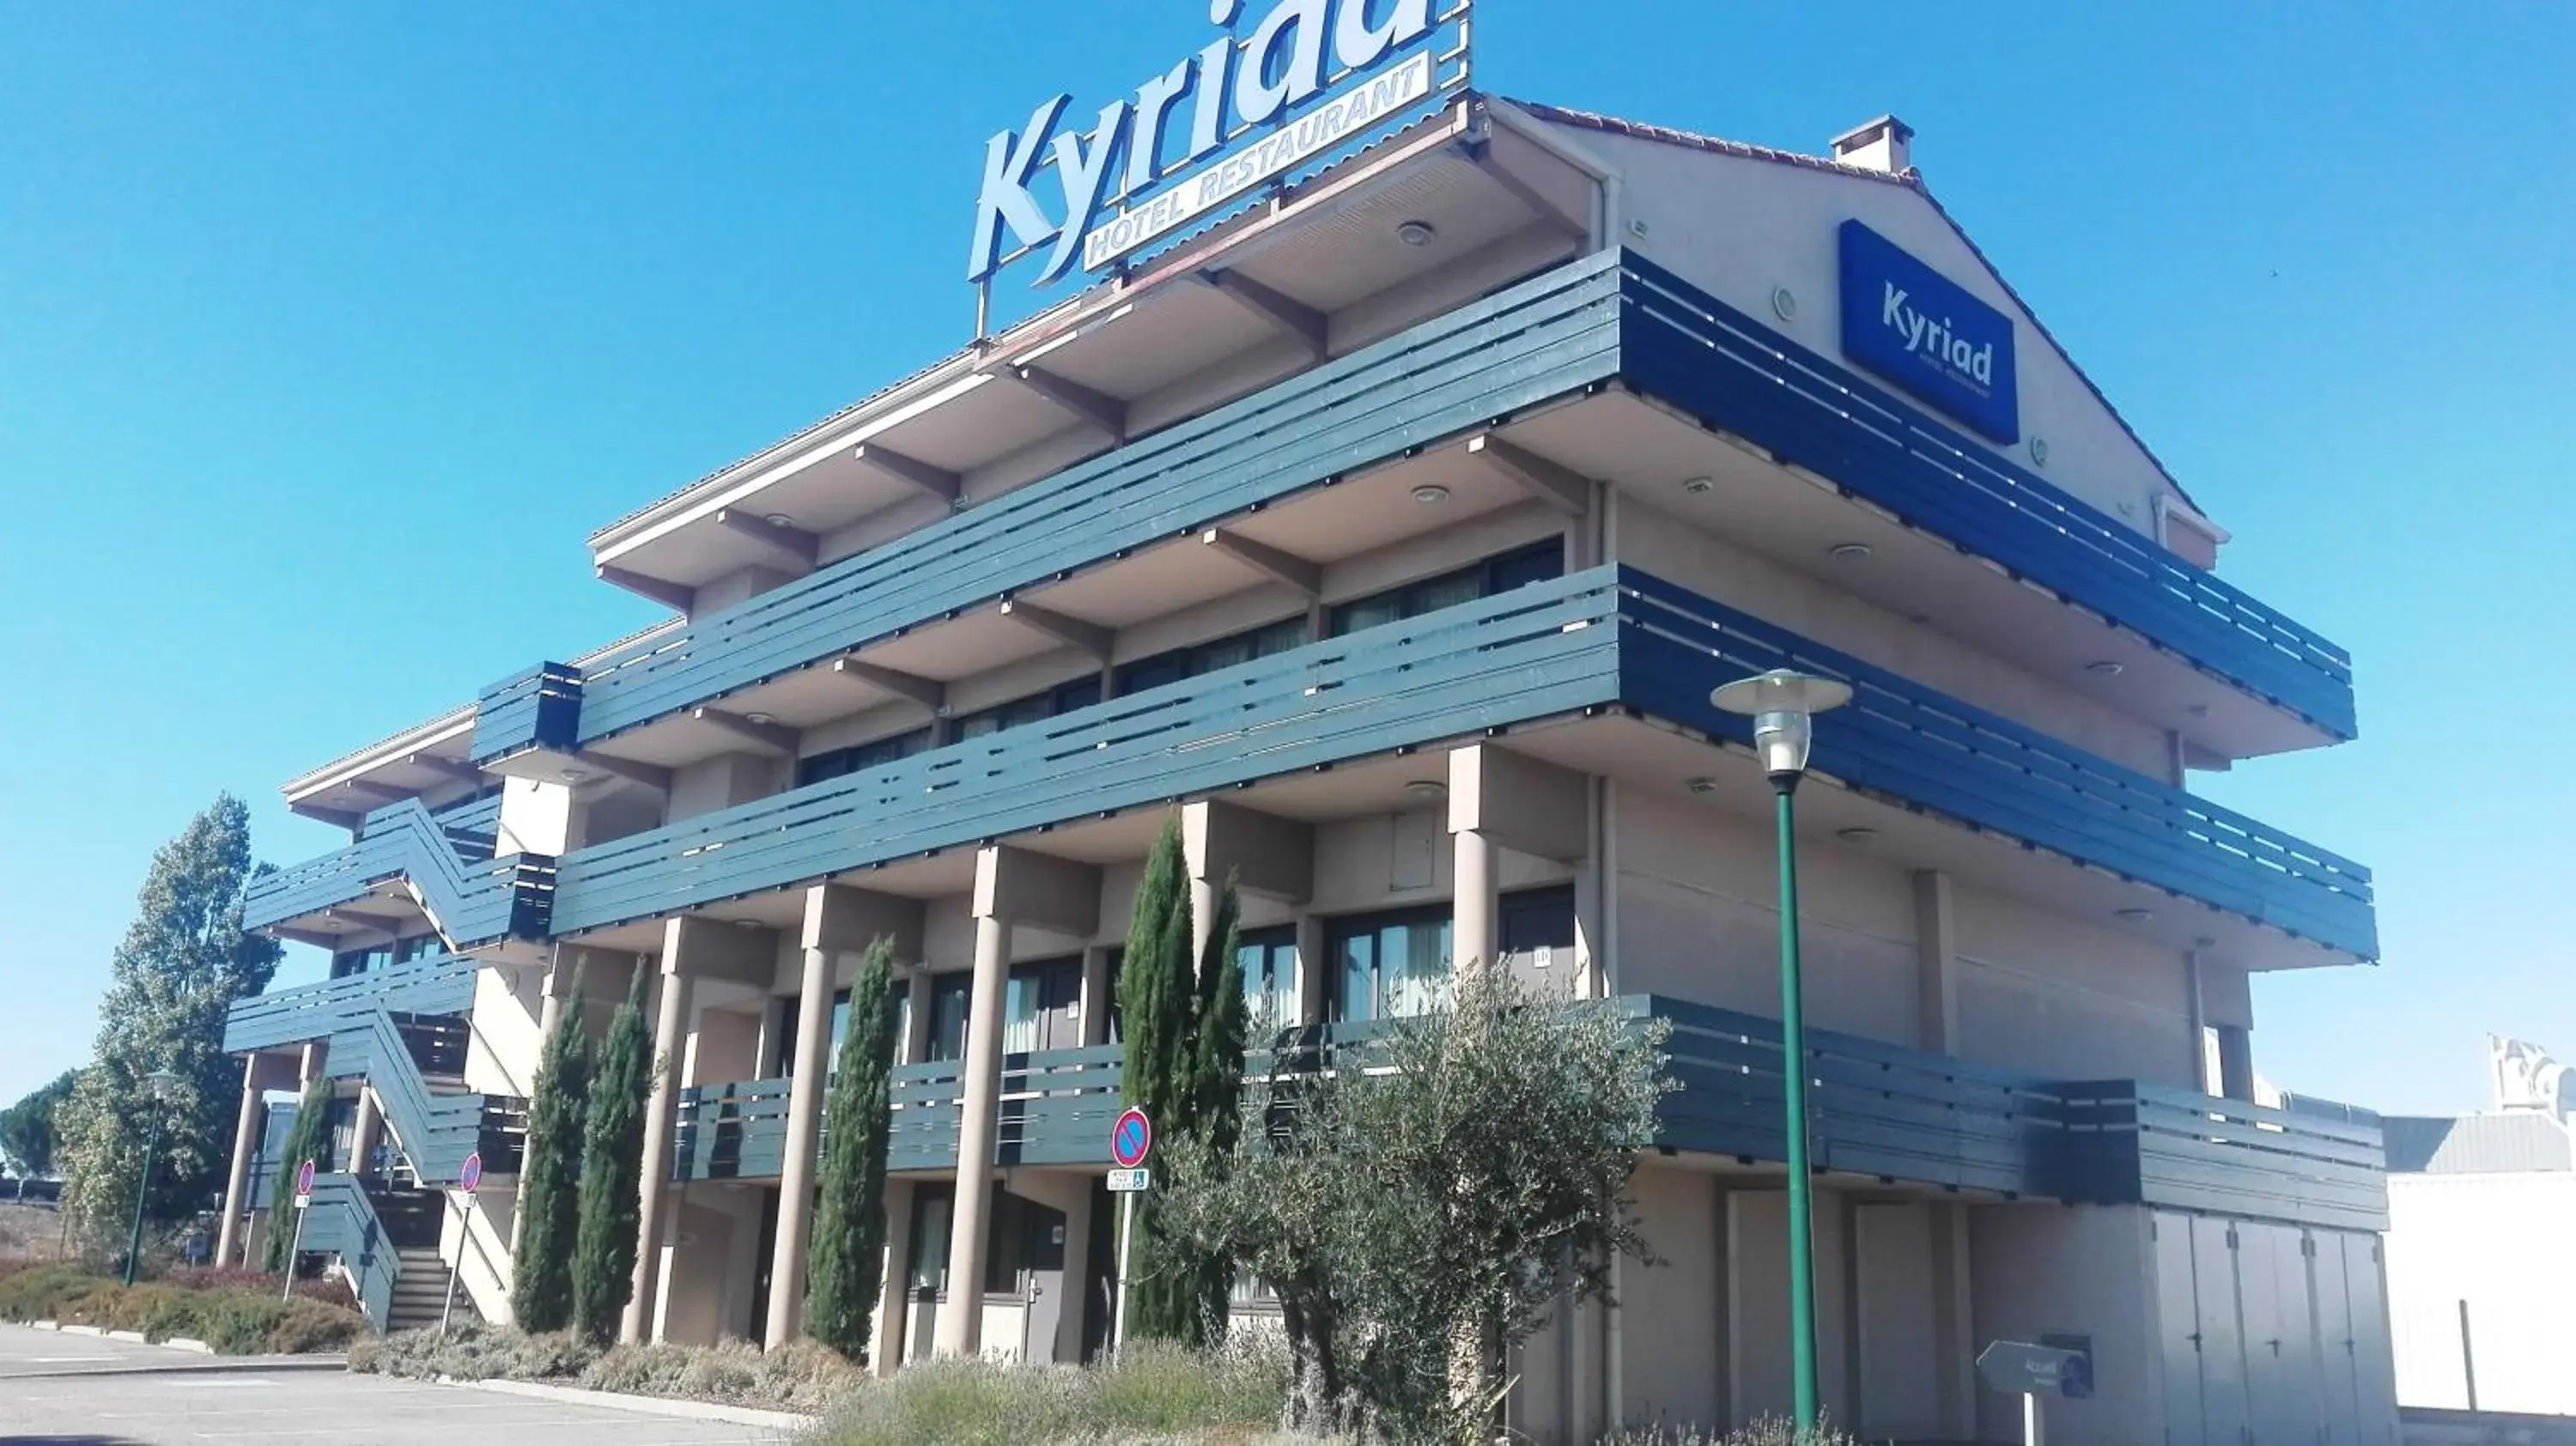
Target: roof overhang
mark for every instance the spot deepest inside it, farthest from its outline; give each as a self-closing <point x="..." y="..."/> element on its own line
<point x="1265" y="294"/>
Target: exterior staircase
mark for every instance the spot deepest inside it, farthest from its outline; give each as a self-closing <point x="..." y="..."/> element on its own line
<point x="420" y="1291"/>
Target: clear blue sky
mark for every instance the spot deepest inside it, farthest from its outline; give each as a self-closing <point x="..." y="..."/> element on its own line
<point x="327" y="332"/>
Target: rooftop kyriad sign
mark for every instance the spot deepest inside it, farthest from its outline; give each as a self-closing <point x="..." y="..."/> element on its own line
<point x="1313" y="74"/>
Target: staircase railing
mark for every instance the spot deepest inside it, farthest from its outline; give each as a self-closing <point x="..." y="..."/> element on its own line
<point x="342" y="1221"/>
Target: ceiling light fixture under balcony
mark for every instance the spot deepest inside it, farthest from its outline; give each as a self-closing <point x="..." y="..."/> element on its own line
<point x="1430" y="494"/>
<point x="1426" y="789"/>
<point x="2104" y="668"/>
<point x="1416" y="233"/>
<point x="2136" y="915"/>
<point x="1848" y="551"/>
<point x="1857" y="835"/>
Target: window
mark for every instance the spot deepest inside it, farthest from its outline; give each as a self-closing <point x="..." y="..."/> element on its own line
<point x="1390" y="965"/>
<point x="361" y="961"/>
<point x="1035" y="708"/>
<point x="928" y="1266"/>
<point x="790" y="1017"/>
<point x="1538" y="928"/>
<point x="1042" y="1006"/>
<point x="1208" y="657"/>
<point x="949" y="994"/>
<point x="1268" y="959"/>
<point x="1518" y="568"/>
<point x="841" y="762"/>
<point x="418" y="946"/>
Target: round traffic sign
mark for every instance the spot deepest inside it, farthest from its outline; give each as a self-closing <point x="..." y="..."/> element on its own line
<point x="470" y="1178"/>
<point x="1131" y="1138"/>
<point x="304" y="1178"/>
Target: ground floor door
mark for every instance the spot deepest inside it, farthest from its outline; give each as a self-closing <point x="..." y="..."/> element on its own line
<point x="1042" y="1282"/>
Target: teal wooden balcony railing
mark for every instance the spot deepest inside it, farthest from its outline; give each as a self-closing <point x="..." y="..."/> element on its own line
<point x="1612" y="316"/>
<point x="1597" y="639"/>
<point x="366" y="1020"/>
<point x="1880" y="1111"/>
<point x="472" y="897"/>
<point x="442" y="985"/>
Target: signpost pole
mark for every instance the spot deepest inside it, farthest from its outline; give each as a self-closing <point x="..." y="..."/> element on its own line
<point x="294" y="1249"/>
<point x="1126" y="1237"/>
<point x="1131" y="1139"/>
<point x="295" y="1246"/>
<point x="448" y="1307"/>
<point x="2030" y="1423"/>
<point x="468" y="1180"/>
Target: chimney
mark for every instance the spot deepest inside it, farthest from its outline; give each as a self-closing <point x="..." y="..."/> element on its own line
<point x="1878" y="145"/>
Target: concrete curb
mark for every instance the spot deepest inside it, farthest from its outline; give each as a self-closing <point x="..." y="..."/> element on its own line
<point x="650" y="1405"/>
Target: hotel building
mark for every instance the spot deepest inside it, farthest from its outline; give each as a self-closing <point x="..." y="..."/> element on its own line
<point x="1391" y="531"/>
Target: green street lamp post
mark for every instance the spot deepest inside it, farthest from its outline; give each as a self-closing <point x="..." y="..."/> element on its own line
<point x="1783" y="705"/>
<point x="157" y="1084"/>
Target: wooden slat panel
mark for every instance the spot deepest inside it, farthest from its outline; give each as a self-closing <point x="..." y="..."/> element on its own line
<point x="1538" y="340"/>
<point x="1735" y="373"/>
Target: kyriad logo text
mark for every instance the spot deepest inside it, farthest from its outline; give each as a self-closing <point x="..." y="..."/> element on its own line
<point x="1111" y="182"/>
<point x="1924" y="332"/>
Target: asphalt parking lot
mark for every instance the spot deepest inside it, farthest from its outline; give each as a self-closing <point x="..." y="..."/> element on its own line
<point x="71" y="1390"/>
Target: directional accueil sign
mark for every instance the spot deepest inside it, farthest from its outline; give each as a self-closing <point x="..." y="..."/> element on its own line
<point x="2027" y="1369"/>
<point x="1131" y="1138"/>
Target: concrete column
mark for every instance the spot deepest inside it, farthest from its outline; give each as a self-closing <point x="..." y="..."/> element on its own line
<point x="804" y="1124"/>
<point x="1012" y="887"/>
<point x="246" y="1130"/>
<point x="661" y="1108"/>
<point x="1936" y="953"/>
<point x="894" y="1286"/>
<point x="1203" y="891"/>
<point x="961" y="1319"/>
<point x="1476" y="868"/>
<point x="1314" y="972"/>
<point x="369" y="1129"/>
<point x="317" y="1056"/>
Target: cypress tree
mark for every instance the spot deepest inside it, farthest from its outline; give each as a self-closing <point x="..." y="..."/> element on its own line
<point x="309" y="1138"/>
<point x="1182" y="1028"/>
<point x="550" y="1177"/>
<point x="846" y="1264"/>
<point x="1156" y="996"/>
<point x="612" y="1173"/>
<point x="1216" y="1091"/>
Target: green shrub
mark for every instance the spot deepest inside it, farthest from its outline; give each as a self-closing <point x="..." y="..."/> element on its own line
<point x="1765" y="1431"/>
<point x="232" y="1319"/>
<point x="475" y="1352"/>
<point x="1156" y="1393"/>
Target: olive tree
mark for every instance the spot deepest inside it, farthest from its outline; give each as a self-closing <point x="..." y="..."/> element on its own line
<point x="1423" y="1202"/>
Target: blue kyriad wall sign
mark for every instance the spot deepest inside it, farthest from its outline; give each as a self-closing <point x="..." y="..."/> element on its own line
<point x="1922" y="331"/>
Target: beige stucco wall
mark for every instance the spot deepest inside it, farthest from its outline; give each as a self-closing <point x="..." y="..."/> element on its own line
<point x="2082" y="1269"/>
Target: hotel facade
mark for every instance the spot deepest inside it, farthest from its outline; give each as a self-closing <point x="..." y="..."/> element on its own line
<point x="1391" y="531"/>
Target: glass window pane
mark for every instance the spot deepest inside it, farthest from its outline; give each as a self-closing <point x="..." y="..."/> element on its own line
<point x="1443" y="592"/>
<point x="1359" y="977"/>
<point x="930" y="1243"/>
<point x="1019" y="1014"/>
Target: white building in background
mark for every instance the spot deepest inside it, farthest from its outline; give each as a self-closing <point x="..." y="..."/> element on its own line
<point x="2482" y="1245"/>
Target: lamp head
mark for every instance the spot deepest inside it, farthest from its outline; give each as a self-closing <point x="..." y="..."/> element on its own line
<point x="1783" y="705"/>
<point x="160" y="1082"/>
